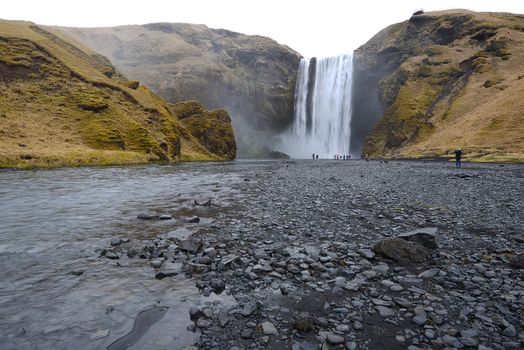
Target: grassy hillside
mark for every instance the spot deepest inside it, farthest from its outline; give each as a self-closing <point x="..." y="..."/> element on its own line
<point x="62" y="104"/>
<point x="447" y="80"/>
<point x="253" y="77"/>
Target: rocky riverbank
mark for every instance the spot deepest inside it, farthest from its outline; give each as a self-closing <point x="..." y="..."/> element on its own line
<point x="353" y="255"/>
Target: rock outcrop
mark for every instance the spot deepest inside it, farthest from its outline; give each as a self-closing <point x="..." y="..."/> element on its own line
<point x="211" y="128"/>
<point x="62" y="104"/>
<point x="440" y="81"/>
<point x="252" y="77"/>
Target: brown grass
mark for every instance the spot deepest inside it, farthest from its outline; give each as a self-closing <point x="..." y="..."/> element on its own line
<point x="61" y="104"/>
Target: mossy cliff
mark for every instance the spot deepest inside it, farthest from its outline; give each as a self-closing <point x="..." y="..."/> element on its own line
<point x="211" y="128"/>
<point x="252" y="77"/>
<point x="62" y="104"/>
<point x="441" y="81"/>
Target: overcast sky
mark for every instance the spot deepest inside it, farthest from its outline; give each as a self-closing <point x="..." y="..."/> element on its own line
<point x="313" y="28"/>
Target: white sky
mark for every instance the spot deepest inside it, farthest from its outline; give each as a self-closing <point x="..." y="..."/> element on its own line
<point x="313" y="28"/>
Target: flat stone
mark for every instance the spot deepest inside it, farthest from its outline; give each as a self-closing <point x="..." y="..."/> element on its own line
<point x="102" y="333"/>
<point x="429" y="333"/>
<point x="147" y="217"/>
<point x="156" y="263"/>
<point x="111" y="255"/>
<point x="366" y="253"/>
<point x="380" y="302"/>
<point x="179" y="234"/>
<point x="268" y="328"/>
<point x="193" y="220"/>
<point x="428" y="273"/>
<point x="229" y="259"/>
<point x="201" y="323"/>
<point x="191" y="245"/>
<point x="165" y="217"/>
<point x="351" y="345"/>
<point x="333" y="338"/>
<point x="450" y="340"/>
<point x="340" y="281"/>
<point x="169" y="270"/>
<point x="384" y="311"/>
<point x="420" y="319"/>
<point x="510" y="331"/>
<point x="469" y="333"/>
<point x="247" y="333"/>
<point x="116" y="241"/>
<point x="262" y="268"/>
<point x="410" y="281"/>
<point x="249" y="308"/>
<point x="468" y="341"/>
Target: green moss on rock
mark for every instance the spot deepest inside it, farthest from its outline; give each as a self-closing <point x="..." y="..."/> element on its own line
<point x="212" y="128"/>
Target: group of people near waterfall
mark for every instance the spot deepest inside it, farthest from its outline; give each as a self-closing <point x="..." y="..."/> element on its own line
<point x="458" y="157"/>
<point x="336" y="156"/>
<point x="342" y="157"/>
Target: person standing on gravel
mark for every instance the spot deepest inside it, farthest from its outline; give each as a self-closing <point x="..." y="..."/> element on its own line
<point x="458" y="156"/>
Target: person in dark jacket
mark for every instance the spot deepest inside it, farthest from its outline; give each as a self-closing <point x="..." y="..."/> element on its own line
<point x="458" y="156"/>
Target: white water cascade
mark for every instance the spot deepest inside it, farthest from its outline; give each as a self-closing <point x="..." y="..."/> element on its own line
<point x="322" y="118"/>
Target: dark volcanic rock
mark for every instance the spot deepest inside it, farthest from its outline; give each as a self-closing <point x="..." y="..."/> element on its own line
<point x="425" y="236"/>
<point x="401" y="250"/>
<point x="147" y="217"/>
<point x="517" y="261"/>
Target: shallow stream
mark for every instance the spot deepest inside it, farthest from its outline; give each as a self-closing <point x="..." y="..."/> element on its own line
<point x="56" y="292"/>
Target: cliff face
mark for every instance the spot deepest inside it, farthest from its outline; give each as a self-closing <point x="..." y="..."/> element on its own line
<point x="440" y="81"/>
<point x="62" y="104"/>
<point x="211" y="128"/>
<point x="252" y="77"/>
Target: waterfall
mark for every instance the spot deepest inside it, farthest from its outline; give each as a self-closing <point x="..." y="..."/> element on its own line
<point x="322" y="117"/>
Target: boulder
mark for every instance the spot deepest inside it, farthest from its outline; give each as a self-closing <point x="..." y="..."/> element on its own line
<point x="517" y="261"/>
<point x="425" y="236"/>
<point x="401" y="250"/>
<point x="191" y="245"/>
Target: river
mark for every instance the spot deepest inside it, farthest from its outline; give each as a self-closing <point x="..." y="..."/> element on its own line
<point x="56" y="292"/>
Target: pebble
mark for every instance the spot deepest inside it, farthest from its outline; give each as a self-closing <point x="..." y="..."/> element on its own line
<point x="249" y="308"/>
<point x="156" y="263"/>
<point x="102" y="333"/>
<point x="116" y="241"/>
<point x="510" y="331"/>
